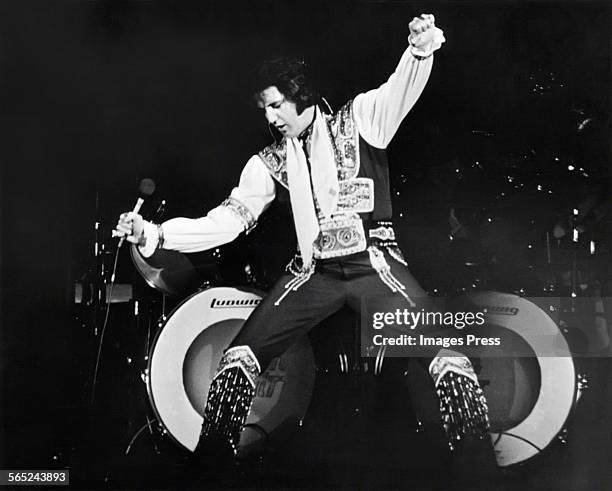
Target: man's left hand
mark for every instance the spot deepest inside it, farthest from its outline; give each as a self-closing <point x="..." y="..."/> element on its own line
<point x="424" y="36"/>
<point x="422" y="30"/>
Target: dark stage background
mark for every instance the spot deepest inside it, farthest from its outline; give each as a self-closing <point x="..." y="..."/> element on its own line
<point x="98" y="95"/>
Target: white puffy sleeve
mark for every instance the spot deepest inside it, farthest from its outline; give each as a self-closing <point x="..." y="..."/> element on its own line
<point x="237" y="214"/>
<point x="379" y="112"/>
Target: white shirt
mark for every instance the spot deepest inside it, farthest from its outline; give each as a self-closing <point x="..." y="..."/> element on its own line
<point x="378" y="114"/>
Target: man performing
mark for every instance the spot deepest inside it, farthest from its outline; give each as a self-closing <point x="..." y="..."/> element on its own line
<point x="335" y="169"/>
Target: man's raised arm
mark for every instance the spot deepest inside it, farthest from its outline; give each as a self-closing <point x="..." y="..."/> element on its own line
<point x="380" y="111"/>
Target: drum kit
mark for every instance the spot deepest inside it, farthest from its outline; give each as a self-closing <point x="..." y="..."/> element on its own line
<point x="531" y="399"/>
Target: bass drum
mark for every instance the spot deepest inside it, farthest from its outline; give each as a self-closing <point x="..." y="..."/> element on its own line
<point x="530" y="398"/>
<point x="185" y="356"/>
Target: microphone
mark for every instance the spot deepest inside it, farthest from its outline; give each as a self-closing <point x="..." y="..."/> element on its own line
<point x="146" y="187"/>
<point x="136" y="209"/>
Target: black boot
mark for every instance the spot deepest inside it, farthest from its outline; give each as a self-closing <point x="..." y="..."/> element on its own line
<point x="463" y="406"/>
<point x="227" y="408"/>
<point x="464" y="412"/>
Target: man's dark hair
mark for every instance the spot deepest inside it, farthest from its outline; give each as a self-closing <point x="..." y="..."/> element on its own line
<point x="290" y="77"/>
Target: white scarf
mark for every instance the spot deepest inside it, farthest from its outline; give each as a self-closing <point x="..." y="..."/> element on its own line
<point x="324" y="182"/>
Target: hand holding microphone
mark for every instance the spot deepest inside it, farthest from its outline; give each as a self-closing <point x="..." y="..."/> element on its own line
<point x="131" y="224"/>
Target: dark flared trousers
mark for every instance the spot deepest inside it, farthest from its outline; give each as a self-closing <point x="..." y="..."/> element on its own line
<point x="274" y="326"/>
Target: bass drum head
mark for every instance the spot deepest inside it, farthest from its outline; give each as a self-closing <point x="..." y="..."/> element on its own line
<point x="185" y="356"/>
<point x="512" y="384"/>
<point x="530" y="398"/>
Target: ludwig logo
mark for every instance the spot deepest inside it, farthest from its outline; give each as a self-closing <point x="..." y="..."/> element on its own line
<point x="500" y="309"/>
<point x="228" y="303"/>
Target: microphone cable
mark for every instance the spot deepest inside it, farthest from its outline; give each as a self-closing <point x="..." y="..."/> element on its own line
<point x="109" y="296"/>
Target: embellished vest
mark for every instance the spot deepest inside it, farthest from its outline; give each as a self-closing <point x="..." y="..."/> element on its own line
<point x="364" y="194"/>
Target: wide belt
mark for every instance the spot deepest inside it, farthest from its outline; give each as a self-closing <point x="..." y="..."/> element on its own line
<point x="348" y="234"/>
<point x="345" y="235"/>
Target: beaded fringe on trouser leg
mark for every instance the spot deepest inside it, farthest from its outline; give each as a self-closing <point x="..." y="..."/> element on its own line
<point x="463" y="406"/>
<point x="230" y="397"/>
<point x="379" y="263"/>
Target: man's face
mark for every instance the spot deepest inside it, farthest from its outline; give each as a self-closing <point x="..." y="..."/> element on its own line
<point x="282" y="114"/>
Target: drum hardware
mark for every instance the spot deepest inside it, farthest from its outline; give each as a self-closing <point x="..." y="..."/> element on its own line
<point x="359" y="363"/>
<point x="582" y="384"/>
<point x="344" y="368"/>
<point x="342" y="357"/>
<point x="380" y="358"/>
<point x="334" y="359"/>
<point x="562" y="436"/>
<point x="119" y="293"/>
<point x="169" y="272"/>
<point x="148" y="425"/>
<point x="584" y="325"/>
<point x="144" y="376"/>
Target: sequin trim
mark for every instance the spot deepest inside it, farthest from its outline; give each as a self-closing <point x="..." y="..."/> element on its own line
<point x="345" y="142"/>
<point x="441" y="365"/>
<point x="243" y="357"/>
<point x="242" y="212"/>
<point x="275" y="159"/>
<point x="228" y="405"/>
<point x="356" y="196"/>
<point x="344" y="138"/>
<point x="463" y="406"/>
